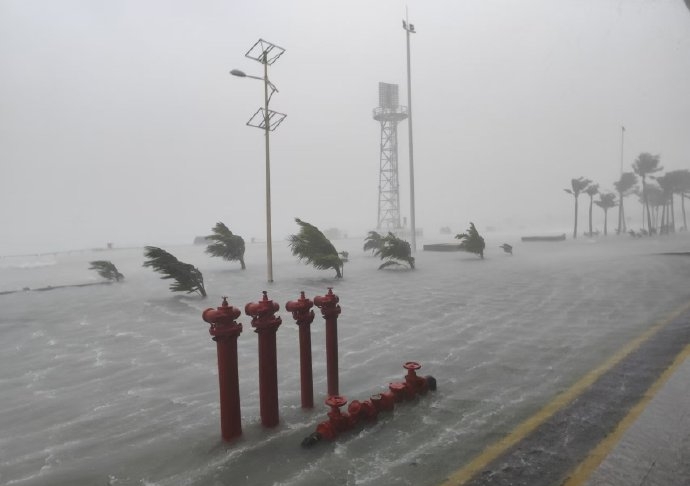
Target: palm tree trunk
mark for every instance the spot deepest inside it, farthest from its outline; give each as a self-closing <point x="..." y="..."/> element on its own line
<point x="575" y="228"/>
<point x="646" y="203"/>
<point x="621" y="222"/>
<point x="606" y="218"/>
<point x="682" y="204"/>
<point x="623" y="211"/>
<point x="591" y="203"/>
<point x="673" y="216"/>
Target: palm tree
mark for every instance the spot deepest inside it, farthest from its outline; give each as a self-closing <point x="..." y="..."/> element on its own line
<point x="187" y="277"/>
<point x="311" y="245"/>
<point x="625" y="186"/>
<point x="657" y="200"/>
<point x="471" y="241"/>
<point x="394" y="250"/>
<point x="373" y="242"/>
<point x="681" y="186"/>
<point x="668" y="224"/>
<point x="646" y="164"/>
<point x="226" y="245"/>
<point x="106" y="269"/>
<point x="591" y="190"/>
<point x="606" y="201"/>
<point x="578" y="185"/>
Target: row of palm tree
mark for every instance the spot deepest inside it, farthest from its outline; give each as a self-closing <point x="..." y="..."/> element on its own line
<point x="659" y="195"/>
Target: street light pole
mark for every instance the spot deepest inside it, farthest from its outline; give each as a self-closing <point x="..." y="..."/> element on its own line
<point x="409" y="28"/>
<point x="265" y="53"/>
<point x="267" y="127"/>
<point x="622" y="141"/>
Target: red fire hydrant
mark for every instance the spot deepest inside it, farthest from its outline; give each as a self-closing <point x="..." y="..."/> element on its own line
<point x="330" y="310"/>
<point x="266" y="324"/>
<point x="225" y="332"/>
<point x="304" y="316"/>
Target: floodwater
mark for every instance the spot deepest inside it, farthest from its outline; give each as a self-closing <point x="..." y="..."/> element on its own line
<point x="117" y="384"/>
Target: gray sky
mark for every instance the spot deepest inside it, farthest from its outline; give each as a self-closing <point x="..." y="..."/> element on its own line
<point x="120" y="123"/>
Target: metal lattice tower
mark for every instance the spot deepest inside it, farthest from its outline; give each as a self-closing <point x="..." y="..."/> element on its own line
<point x="389" y="113"/>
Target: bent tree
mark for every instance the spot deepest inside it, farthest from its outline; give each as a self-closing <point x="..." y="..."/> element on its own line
<point x="187" y="278"/>
<point x="106" y="269"/>
<point x="471" y="241"/>
<point x="394" y="251"/>
<point x="314" y="248"/>
<point x="226" y="245"/>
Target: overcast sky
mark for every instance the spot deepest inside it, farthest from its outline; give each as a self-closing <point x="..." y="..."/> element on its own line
<point x="120" y="123"/>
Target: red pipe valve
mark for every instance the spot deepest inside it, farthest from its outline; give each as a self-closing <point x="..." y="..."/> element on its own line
<point x="222" y="320"/>
<point x="328" y="303"/>
<point x="416" y="383"/>
<point x="262" y="312"/>
<point x="337" y="422"/>
<point x="301" y="309"/>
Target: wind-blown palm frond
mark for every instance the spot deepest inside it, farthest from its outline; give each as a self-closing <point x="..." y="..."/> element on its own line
<point x="187" y="277"/>
<point x="314" y="248"/>
<point x="226" y="245"/>
<point x="373" y="242"/>
<point x="394" y="250"/>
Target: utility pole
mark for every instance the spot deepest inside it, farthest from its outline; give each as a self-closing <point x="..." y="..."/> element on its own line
<point x="409" y="28"/>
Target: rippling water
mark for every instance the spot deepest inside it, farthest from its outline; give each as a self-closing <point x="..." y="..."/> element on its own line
<point x="117" y="384"/>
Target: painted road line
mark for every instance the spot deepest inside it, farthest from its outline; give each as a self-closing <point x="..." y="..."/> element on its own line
<point x="494" y="451"/>
<point x="597" y="456"/>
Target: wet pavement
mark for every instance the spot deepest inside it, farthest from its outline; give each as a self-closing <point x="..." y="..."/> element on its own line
<point x="565" y="443"/>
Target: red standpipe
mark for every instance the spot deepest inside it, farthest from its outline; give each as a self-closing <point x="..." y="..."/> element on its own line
<point x="330" y="310"/>
<point x="225" y="332"/>
<point x="266" y="324"/>
<point x="304" y="316"/>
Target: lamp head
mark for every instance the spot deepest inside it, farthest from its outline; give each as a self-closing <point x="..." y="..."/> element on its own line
<point x="238" y="73"/>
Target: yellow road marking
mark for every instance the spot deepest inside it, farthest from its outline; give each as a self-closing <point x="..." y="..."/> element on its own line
<point x="599" y="453"/>
<point x="464" y="474"/>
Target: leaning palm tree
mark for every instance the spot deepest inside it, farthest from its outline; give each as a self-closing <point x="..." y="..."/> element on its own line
<point x="471" y="241"/>
<point x="312" y="246"/>
<point x="646" y="164"/>
<point x="373" y="242"/>
<point x="625" y="186"/>
<point x="591" y="190"/>
<point x="606" y="201"/>
<point x="107" y="270"/>
<point x="226" y="245"/>
<point x="394" y="251"/>
<point x="578" y="185"/>
<point x="187" y="278"/>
